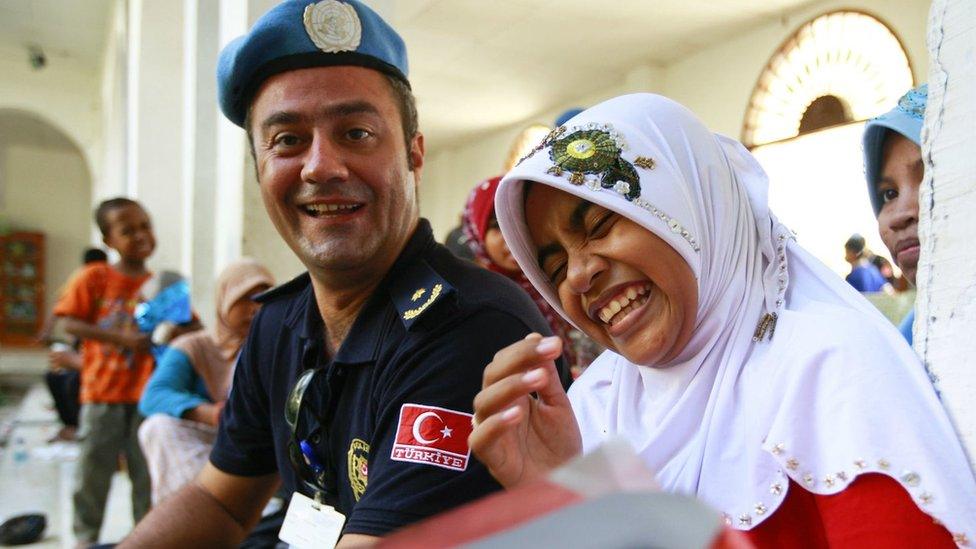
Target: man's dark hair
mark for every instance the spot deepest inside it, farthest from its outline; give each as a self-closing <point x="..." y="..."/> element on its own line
<point x="103" y="209"/>
<point x="406" y="104"/>
<point x="92" y="255"/>
<point x="855" y="244"/>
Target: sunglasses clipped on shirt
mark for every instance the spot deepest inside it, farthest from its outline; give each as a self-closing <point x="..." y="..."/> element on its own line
<point x="312" y="468"/>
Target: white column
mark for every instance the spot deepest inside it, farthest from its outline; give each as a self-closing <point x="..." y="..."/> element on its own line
<point x="229" y="212"/>
<point x="155" y="129"/>
<point x="114" y="110"/>
<point x="200" y="115"/>
<point x="946" y="304"/>
<point x="131" y="86"/>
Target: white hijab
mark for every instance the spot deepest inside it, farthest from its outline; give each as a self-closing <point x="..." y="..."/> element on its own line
<point x="829" y="391"/>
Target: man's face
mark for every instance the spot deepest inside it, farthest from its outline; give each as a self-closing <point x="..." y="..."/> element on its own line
<point x="333" y="167"/>
<point x="901" y="175"/>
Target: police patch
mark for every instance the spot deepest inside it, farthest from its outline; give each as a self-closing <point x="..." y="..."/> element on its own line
<point x="357" y="466"/>
<point x="433" y="436"/>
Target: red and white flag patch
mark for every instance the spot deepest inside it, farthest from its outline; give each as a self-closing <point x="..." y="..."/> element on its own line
<point x="433" y="436"/>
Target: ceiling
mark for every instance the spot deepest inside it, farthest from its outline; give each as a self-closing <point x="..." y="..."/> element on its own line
<point x="475" y="68"/>
<point x="66" y="29"/>
<point x="475" y="65"/>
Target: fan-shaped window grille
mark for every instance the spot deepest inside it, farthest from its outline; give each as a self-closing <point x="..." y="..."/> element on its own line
<point x="526" y="140"/>
<point x="840" y="67"/>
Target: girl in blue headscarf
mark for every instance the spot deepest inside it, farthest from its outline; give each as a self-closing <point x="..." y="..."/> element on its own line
<point x="893" y="166"/>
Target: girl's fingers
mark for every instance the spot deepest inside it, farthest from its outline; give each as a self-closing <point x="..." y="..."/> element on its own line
<point x="551" y="391"/>
<point x="522" y="355"/>
<point x="486" y="434"/>
<point x="506" y="392"/>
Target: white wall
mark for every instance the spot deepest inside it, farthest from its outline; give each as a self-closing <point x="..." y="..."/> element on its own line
<point x="66" y="99"/>
<point x="60" y="176"/>
<point x="715" y="83"/>
<point x="62" y="95"/>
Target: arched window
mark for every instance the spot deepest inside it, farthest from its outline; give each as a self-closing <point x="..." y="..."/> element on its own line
<point x="805" y="121"/>
<point x="841" y="67"/>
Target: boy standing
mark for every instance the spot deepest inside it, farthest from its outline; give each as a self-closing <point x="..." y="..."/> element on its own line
<point x="98" y="305"/>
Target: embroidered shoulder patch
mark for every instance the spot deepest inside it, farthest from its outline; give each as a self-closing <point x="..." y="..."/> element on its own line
<point x="435" y="292"/>
<point x="416" y="290"/>
<point x="357" y="466"/>
<point x="431" y="435"/>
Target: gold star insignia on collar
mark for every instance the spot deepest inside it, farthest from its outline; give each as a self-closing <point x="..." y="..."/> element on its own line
<point x="434" y="294"/>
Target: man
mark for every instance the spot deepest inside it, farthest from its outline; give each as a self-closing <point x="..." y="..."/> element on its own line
<point x="894" y="169"/>
<point x="864" y="276"/>
<point x="376" y="353"/>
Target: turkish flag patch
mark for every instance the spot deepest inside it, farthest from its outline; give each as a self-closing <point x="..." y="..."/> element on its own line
<point x="433" y="436"/>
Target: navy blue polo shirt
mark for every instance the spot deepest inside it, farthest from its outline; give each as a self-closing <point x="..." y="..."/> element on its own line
<point x="401" y="386"/>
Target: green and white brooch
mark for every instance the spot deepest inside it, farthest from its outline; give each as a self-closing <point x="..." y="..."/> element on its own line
<point x="594" y="151"/>
<point x="591" y="155"/>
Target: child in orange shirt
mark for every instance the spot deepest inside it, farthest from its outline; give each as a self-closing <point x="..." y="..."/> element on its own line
<point x="98" y="305"/>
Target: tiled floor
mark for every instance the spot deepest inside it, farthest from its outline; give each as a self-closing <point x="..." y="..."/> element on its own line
<point x="36" y="476"/>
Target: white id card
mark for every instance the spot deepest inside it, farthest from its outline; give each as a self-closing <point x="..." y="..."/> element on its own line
<point x="309" y="524"/>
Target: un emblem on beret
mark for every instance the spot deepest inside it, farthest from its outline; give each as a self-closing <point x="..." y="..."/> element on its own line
<point x="333" y="26"/>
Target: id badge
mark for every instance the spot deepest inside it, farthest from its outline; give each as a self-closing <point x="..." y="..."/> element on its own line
<point x="309" y="524"/>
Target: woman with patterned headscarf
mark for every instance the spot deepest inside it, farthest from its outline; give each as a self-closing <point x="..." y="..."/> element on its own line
<point x="741" y="369"/>
<point x="186" y="393"/>
<point x="489" y="249"/>
<point x="893" y="167"/>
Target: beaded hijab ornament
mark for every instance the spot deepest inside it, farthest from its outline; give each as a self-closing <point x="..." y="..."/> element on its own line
<point x="591" y="155"/>
<point x="594" y="152"/>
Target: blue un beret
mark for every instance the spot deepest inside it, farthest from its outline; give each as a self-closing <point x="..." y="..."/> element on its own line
<point x="298" y="34"/>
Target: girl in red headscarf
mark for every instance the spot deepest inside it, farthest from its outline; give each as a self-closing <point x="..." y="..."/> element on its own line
<point x="490" y="251"/>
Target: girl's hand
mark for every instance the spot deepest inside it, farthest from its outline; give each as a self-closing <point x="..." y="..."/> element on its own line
<point x="518" y="436"/>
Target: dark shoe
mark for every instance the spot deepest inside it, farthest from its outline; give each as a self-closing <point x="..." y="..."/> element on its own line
<point x="22" y="529"/>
